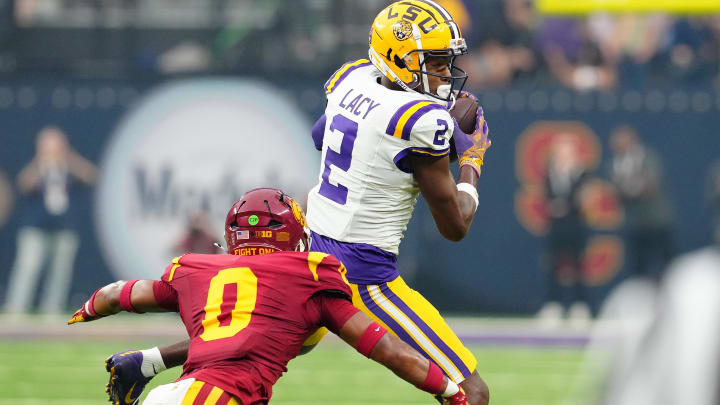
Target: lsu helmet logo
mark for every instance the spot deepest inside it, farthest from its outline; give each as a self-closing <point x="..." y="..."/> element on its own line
<point x="402" y="30"/>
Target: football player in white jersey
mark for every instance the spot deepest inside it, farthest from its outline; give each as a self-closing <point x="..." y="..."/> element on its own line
<point x="385" y="138"/>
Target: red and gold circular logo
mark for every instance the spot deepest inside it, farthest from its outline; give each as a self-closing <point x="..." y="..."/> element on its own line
<point x="600" y="206"/>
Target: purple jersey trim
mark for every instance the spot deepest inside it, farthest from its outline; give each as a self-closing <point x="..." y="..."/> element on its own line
<point x="396" y="117"/>
<point x="318" y="131"/>
<point x="342" y="77"/>
<point x="416" y="116"/>
<point x="399" y="158"/>
<point x="365" y="264"/>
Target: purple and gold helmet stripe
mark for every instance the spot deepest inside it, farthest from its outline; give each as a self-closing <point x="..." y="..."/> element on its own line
<point x="404" y="119"/>
<point x="454" y="29"/>
<point x="434" y="338"/>
<point x="343" y="72"/>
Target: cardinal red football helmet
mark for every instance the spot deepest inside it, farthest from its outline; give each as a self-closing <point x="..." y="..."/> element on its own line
<point x="265" y="220"/>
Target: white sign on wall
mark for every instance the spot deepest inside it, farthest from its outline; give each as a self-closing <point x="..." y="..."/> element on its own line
<point x="192" y="146"/>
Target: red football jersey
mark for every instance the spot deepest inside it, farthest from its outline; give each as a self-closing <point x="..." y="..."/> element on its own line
<point x="247" y="316"/>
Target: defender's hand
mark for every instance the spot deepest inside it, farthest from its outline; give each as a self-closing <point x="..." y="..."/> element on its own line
<point x="127" y="381"/>
<point x="82" y="315"/>
<point x="458" y="399"/>
<point x="471" y="148"/>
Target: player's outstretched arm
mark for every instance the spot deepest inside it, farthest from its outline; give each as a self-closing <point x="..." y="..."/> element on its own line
<point x="131" y="296"/>
<point x="373" y="341"/>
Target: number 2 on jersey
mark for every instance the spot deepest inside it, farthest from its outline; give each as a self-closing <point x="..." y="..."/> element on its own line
<point x="349" y="129"/>
<point x="230" y="302"/>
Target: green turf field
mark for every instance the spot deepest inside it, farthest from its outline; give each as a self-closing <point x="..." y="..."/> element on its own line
<point x="47" y="372"/>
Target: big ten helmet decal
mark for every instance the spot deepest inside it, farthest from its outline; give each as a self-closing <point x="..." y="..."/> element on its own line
<point x="265" y="220"/>
<point x="405" y="34"/>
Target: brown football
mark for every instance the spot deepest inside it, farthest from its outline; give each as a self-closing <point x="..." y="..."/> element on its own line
<point x="465" y="113"/>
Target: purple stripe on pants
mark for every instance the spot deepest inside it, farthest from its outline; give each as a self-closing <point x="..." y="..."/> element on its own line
<point x="388" y="320"/>
<point x="402" y="306"/>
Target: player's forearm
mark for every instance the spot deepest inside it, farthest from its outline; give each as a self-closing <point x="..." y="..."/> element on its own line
<point x="132" y="296"/>
<point x="175" y="354"/>
<point x="468" y="204"/>
<point x="401" y="359"/>
<point x="412" y="367"/>
<point x="107" y="299"/>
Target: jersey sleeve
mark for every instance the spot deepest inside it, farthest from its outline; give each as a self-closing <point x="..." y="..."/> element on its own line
<point x="426" y="126"/>
<point x="329" y="274"/>
<point x="335" y="311"/>
<point x="169" y="272"/>
<point x="165" y="295"/>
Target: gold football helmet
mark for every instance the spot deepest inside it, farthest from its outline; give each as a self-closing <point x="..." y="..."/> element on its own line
<point x="405" y="34"/>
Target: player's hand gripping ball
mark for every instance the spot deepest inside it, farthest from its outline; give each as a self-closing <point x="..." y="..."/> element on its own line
<point x="465" y="111"/>
<point x="470" y="146"/>
<point x="126" y="379"/>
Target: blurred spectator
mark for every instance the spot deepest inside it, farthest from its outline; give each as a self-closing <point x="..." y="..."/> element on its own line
<point x="637" y="174"/>
<point x="505" y="50"/>
<point x="572" y="57"/>
<point x="47" y="231"/>
<point x="714" y="24"/>
<point x="566" y="175"/>
<point x="630" y="42"/>
<point x="198" y="237"/>
<point x="691" y="51"/>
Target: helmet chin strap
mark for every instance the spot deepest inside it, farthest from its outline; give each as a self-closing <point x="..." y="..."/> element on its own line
<point x="421" y="57"/>
<point x="378" y="61"/>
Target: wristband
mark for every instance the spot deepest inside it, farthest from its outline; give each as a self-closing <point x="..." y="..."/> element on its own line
<point x="90" y="304"/>
<point x="125" y="293"/>
<point x="472" y="163"/>
<point x="369" y="339"/>
<point x="471" y="190"/>
<point x="152" y="362"/>
<point x="433" y="381"/>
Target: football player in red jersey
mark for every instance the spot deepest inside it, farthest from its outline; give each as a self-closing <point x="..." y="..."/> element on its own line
<point x="249" y="312"/>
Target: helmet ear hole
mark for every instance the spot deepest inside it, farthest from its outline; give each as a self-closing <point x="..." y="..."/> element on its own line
<point x="399" y="62"/>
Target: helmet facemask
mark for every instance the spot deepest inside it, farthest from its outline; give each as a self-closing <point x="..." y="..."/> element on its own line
<point x="446" y="93"/>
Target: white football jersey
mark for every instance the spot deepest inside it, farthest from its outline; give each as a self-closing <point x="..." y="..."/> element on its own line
<point x="365" y="193"/>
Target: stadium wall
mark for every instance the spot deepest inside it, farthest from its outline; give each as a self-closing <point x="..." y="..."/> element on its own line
<point x="496" y="269"/>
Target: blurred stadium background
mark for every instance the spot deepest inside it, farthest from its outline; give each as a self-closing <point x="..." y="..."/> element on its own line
<point x="182" y="105"/>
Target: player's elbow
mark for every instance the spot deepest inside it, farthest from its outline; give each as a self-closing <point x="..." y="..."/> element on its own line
<point x="454" y="232"/>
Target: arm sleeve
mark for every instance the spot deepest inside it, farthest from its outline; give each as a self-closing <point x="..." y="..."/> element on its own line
<point x="334" y="310"/>
<point x="165" y="295"/>
<point x="318" y="132"/>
